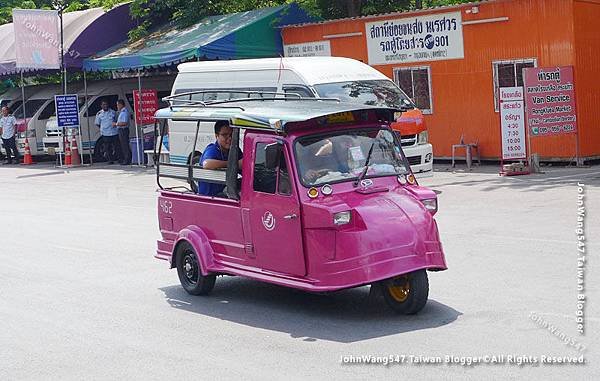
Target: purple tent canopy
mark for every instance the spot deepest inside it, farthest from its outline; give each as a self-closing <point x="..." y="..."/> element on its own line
<point x="85" y="33"/>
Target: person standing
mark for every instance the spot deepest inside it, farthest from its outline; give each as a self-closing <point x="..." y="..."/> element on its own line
<point x="8" y="127"/>
<point x="105" y="118"/>
<point x="122" y="125"/>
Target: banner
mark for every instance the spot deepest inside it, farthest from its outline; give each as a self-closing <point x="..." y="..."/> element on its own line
<point x="415" y="39"/>
<point x="550" y="100"/>
<point x="37" y="39"/>
<point x="149" y="103"/>
<point x="512" y="123"/>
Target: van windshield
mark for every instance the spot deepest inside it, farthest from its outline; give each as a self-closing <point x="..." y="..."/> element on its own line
<point x="342" y="156"/>
<point x="31" y="107"/>
<point x="374" y="93"/>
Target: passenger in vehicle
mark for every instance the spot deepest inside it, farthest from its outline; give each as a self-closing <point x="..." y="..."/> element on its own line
<point x="216" y="156"/>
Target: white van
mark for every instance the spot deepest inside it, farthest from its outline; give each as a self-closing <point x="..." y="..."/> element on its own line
<point x="111" y="91"/>
<point x="39" y="107"/>
<point x="11" y="98"/>
<point x="326" y="77"/>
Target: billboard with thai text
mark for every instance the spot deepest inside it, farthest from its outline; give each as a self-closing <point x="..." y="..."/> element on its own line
<point x="415" y="39"/>
<point x="550" y="100"/>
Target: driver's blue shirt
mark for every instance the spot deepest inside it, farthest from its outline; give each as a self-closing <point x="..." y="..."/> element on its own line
<point x="213" y="151"/>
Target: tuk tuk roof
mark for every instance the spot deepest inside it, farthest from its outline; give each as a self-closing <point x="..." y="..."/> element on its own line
<point x="275" y="114"/>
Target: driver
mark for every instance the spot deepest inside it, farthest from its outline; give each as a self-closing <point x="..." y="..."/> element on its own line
<point x="332" y="156"/>
<point x="215" y="156"/>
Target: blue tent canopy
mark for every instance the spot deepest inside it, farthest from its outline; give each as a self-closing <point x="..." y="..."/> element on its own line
<point x="253" y="34"/>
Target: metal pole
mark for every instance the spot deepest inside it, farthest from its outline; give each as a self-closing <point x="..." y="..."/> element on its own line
<point x="62" y="50"/>
<point x="87" y="119"/>
<point x="24" y="110"/>
<point x="140" y="108"/>
<point x="23" y="97"/>
<point x="578" y="162"/>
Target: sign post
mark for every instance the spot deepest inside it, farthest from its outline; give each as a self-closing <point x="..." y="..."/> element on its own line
<point x="550" y="101"/>
<point x="145" y="103"/>
<point x="67" y="116"/>
<point x="512" y="127"/>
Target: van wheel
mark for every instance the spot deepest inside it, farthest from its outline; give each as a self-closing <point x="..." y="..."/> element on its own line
<point x="190" y="274"/>
<point x="406" y="294"/>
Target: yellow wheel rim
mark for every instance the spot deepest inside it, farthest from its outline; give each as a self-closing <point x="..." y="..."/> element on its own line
<point x="399" y="288"/>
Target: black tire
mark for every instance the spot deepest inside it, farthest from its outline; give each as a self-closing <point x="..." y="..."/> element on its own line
<point x="99" y="155"/>
<point x="189" y="271"/>
<point x="406" y="294"/>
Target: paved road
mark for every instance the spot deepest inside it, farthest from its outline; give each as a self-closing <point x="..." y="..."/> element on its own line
<point x="81" y="296"/>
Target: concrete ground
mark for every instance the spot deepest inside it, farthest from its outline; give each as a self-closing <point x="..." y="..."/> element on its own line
<point x="81" y="296"/>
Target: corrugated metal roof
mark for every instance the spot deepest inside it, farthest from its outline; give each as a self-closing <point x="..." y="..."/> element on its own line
<point x="398" y="13"/>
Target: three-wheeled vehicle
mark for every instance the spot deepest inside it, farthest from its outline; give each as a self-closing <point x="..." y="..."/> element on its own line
<point x="324" y="200"/>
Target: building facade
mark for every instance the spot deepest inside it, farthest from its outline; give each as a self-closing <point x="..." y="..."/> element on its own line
<point x="453" y="60"/>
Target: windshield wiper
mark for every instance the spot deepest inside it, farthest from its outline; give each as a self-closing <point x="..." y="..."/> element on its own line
<point x="364" y="171"/>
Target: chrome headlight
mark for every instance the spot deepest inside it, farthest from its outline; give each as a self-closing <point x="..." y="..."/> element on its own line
<point x="423" y="137"/>
<point x="342" y="218"/>
<point x="431" y="205"/>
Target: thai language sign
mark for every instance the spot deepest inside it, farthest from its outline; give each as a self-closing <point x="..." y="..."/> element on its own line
<point x="415" y="39"/>
<point x="67" y="110"/>
<point x="550" y="100"/>
<point x="512" y="123"/>
<point x="308" y="49"/>
<point x="37" y="39"/>
<point x="145" y="109"/>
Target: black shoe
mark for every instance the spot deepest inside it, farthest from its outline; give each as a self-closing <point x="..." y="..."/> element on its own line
<point x="110" y="163"/>
<point x="123" y="163"/>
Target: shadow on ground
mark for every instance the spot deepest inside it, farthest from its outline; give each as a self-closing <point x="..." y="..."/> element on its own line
<point x="345" y="316"/>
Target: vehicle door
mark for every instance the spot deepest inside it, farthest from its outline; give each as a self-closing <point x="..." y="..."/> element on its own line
<point x="275" y="214"/>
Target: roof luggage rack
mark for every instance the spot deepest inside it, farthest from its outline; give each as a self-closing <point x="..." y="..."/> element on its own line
<point x="272" y="96"/>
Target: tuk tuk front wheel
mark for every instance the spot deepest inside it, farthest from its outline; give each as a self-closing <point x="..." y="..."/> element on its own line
<point x="190" y="274"/>
<point x="406" y="294"/>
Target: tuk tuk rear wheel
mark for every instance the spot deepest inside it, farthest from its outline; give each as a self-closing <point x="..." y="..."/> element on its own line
<point x="406" y="294"/>
<point x="190" y="273"/>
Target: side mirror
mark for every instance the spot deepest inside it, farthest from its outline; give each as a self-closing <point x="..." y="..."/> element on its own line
<point x="273" y="155"/>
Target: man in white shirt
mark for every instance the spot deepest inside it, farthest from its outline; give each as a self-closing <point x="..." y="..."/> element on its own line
<point x="8" y="127"/>
<point x="110" y="135"/>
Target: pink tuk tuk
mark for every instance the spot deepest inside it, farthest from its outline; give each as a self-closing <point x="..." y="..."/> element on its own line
<point x="324" y="200"/>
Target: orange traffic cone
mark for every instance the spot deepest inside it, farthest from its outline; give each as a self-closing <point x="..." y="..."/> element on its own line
<point x="67" y="153"/>
<point x="75" y="159"/>
<point x="27" y="159"/>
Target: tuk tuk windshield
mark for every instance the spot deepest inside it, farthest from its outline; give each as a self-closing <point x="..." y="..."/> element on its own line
<point x="342" y="156"/>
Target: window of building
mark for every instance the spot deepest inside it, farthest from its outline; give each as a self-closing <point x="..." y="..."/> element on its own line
<point x="509" y="74"/>
<point x="416" y="83"/>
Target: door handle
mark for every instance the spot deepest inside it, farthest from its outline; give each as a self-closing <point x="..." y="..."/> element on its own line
<point x="290" y="216"/>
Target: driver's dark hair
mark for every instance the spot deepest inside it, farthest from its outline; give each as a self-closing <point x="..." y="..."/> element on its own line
<point x="104" y="100"/>
<point x="219" y="124"/>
